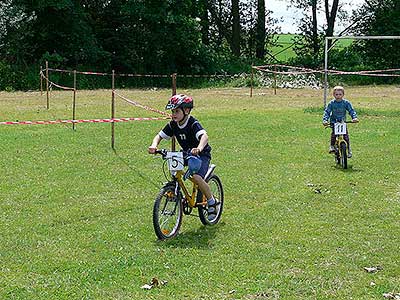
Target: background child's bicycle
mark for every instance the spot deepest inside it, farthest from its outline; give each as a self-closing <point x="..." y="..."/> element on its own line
<point x="341" y="146"/>
<point x="174" y="198"/>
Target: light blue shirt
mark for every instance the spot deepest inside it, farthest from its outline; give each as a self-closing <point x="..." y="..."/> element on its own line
<point x="335" y="111"/>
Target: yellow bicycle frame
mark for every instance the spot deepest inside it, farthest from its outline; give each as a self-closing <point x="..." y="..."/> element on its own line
<point x="339" y="140"/>
<point x="191" y="198"/>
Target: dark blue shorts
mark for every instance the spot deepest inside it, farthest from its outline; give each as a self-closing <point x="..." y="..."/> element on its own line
<point x="205" y="163"/>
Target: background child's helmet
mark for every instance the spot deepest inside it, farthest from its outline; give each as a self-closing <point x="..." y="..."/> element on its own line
<point x="179" y="101"/>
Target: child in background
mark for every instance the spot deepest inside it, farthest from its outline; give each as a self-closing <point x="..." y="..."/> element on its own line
<point x="335" y="111"/>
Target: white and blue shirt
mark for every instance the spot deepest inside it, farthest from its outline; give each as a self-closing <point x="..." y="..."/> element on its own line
<point x="335" y="111"/>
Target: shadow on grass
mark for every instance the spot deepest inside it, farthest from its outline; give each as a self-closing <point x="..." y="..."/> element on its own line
<point x="200" y="238"/>
<point x="349" y="169"/>
<point x="135" y="171"/>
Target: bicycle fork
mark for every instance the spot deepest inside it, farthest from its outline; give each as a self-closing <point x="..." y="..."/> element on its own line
<point x="340" y="139"/>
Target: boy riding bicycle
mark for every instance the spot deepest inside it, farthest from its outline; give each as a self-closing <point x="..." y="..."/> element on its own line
<point x="336" y="112"/>
<point x="192" y="138"/>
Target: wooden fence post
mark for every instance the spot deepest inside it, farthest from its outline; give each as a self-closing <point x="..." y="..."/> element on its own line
<point x="113" y="110"/>
<point x="47" y="85"/>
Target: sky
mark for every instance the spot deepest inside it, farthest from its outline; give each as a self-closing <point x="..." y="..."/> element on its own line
<point x="280" y="10"/>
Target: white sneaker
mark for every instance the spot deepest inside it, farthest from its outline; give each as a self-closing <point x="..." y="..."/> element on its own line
<point x="212" y="210"/>
<point x="331" y="149"/>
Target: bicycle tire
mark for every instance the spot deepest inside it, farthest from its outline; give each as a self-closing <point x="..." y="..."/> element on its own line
<point x="343" y="157"/>
<point x="218" y="192"/>
<point x="337" y="155"/>
<point x="167" y="213"/>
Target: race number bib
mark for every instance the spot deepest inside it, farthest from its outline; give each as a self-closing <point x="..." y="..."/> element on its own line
<point x="175" y="161"/>
<point x="340" y="128"/>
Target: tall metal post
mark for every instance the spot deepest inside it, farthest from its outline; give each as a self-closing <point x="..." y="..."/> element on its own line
<point x="326" y="73"/>
<point x="275" y="80"/>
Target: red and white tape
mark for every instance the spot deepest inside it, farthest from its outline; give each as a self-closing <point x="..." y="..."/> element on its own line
<point x="108" y="74"/>
<point x="78" y="72"/>
<point x="115" y="120"/>
<point x="375" y="73"/>
<point x="142" y="106"/>
<point x="56" y="85"/>
<point x="145" y="75"/>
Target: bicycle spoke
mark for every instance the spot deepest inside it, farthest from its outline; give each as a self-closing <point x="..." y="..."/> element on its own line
<point x="167" y="214"/>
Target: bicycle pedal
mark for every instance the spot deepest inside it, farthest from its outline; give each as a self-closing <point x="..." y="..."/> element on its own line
<point x="170" y="194"/>
<point x="203" y="204"/>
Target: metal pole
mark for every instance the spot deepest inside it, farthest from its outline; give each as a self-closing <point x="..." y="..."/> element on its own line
<point x="364" y="37"/>
<point x="274" y="79"/>
<point x="74" y="103"/>
<point x="47" y="85"/>
<point x="326" y="72"/>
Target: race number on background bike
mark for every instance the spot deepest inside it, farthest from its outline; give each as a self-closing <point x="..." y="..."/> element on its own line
<point x="340" y="128"/>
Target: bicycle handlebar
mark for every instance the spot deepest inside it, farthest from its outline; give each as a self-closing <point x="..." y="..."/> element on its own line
<point x="330" y="125"/>
<point x="164" y="152"/>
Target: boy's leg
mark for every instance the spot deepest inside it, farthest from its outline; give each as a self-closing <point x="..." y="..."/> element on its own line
<point x="347" y="139"/>
<point x="198" y="178"/>
<point x="333" y="140"/>
<point x="205" y="188"/>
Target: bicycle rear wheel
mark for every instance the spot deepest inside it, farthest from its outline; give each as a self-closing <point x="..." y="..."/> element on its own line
<point x="217" y="191"/>
<point x="343" y="157"/>
<point x="167" y="213"/>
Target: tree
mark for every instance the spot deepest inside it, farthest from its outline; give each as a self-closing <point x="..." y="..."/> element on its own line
<point x="379" y="18"/>
<point x="330" y="17"/>
<point x="204" y="21"/>
<point x="59" y="28"/>
<point x="235" y="44"/>
<point x="308" y="44"/>
<point x="260" y="30"/>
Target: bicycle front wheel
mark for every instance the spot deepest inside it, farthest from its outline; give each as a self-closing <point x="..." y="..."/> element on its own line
<point x="167" y="213"/>
<point x="343" y="153"/>
<point x="217" y="191"/>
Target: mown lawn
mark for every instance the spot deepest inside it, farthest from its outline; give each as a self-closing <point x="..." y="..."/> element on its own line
<point x="283" y="51"/>
<point x="75" y="216"/>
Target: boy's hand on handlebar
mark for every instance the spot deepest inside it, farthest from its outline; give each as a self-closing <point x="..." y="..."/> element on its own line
<point x="195" y="151"/>
<point x="152" y="150"/>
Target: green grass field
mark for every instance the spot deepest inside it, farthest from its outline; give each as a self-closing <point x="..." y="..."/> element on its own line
<point x="76" y="217"/>
<point x="283" y="51"/>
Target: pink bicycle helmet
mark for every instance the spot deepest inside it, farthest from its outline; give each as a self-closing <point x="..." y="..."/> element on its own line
<point x="179" y="101"/>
